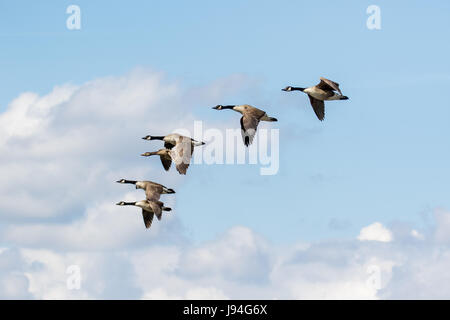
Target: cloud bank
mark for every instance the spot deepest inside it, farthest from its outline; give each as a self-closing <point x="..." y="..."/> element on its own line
<point x="239" y="264"/>
<point x="62" y="152"/>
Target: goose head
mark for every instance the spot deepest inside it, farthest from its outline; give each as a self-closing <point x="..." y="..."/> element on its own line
<point x="121" y="181"/>
<point x="221" y="107"/>
<point x="123" y="203"/>
<point x="147" y="154"/>
<point x="290" y="88"/>
<point x="147" y="137"/>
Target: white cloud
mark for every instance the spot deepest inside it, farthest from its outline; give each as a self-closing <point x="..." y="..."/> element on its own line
<point x="442" y="234"/>
<point x="416" y="234"/>
<point x="62" y="151"/>
<point x="238" y="265"/>
<point x="375" y="232"/>
<point x="104" y="226"/>
<point x="61" y="154"/>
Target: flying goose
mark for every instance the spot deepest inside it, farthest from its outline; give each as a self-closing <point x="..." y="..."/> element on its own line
<point x="251" y="117"/>
<point x="325" y="90"/>
<point x="171" y="140"/>
<point x="180" y="154"/>
<point x="153" y="192"/>
<point x="178" y="149"/>
<point x="152" y="189"/>
<point x="147" y="210"/>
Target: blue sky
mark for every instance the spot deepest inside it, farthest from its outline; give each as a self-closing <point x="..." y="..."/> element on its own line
<point x="381" y="156"/>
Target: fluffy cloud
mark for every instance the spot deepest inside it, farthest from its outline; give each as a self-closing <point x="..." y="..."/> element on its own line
<point x="13" y="282"/>
<point x="57" y="148"/>
<point x="238" y="264"/>
<point x="375" y="232"/>
<point x="61" y="154"/>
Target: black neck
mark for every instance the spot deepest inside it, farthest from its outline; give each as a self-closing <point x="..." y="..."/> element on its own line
<point x="130" y="181"/>
<point x="297" y="89"/>
<point x="129" y="203"/>
<point x="228" y="107"/>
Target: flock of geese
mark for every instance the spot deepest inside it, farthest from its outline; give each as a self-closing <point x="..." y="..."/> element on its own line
<point x="179" y="149"/>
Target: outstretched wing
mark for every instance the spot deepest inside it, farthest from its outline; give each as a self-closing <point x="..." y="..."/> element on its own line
<point x="326" y="84"/>
<point x="148" y="218"/>
<point x="153" y="192"/>
<point x="156" y="208"/>
<point x="181" y="154"/>
<point x="166" y="162"/>
<point x="318" y="107"/>
<point x="248" y="128"/>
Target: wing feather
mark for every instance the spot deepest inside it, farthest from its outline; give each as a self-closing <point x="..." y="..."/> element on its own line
<point x="326" y="84"/>
<point x="156" y="208"/>
<point x="153" y="192"/>
<point x="148" y="218"/>
<point x="318" y="107"/>
<point x="248" y="128"/>
<point x="181" y="154"/>
<point x="166" y="162"/>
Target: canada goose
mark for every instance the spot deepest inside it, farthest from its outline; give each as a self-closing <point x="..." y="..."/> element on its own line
<point x="325" y="90"/>
<point x="147" y="210"/>
<point x="172" y="139"/>
<point x="180" y="154"/>
<point x="152" y="189"/>
<point x="251" y="117"/>
<point x="164" y="155"/>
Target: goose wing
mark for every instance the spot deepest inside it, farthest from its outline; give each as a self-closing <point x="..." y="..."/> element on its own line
<point x="249" y="124"/>
<point x="255" y="112"/>
<point x="327" y="85"/>
<point x="156" y="208"/>
<point x="148" y="218"/>
<point x="318" y="107"/>
<point x="166" y="162"/>
<point x="181" y="154"/>
<point x="168" y="145"/>
<point x="153" y="191"/>
<point x="170" y="140"/>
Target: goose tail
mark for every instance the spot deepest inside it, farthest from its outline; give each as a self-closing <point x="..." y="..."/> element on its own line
<point x="169" y="191"/>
